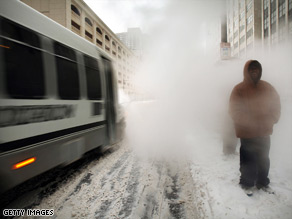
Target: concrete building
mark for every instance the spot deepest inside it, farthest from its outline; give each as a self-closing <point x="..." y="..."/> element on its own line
<point x="243" y="26"/>
<point x="253" y="24"/>
<point x="133" y="39"/>
<point x="77" y="16"/>
<point x="277" y="22"/>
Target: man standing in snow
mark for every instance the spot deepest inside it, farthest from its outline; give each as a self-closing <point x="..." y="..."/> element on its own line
<point x="254" y="107"/>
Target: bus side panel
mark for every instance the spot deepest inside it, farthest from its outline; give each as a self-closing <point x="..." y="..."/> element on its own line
<point x="48" y="155"/>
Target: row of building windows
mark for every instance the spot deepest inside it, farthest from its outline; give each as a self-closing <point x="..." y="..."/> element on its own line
<point x="249" y="19"/>
<point x="249" y="6"/>
<point x="75" y="26"/>
<point x="87" y="21"/>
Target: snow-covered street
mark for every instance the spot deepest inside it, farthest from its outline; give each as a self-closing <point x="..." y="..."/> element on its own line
<point x="114" y="185"/>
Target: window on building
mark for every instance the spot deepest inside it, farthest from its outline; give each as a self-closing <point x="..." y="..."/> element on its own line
<point x="249" y="6"/>
<point x="273" y="12"/>
<point x="75" y="10"/>
<point x="98" y="42"/>
<point x="249" y="33"/>
<point x="93" y="81"/>
<point x="266" y="23"/>
<point x="266" y="18"/>
<point x="88" y="21"/>
<point x="107" y="38"/>
<point x="266" y="4"/>
<point x="242" y="15"/>
<point x="67" y="72"/>
<point x="114" y="44"/>
<point x="98" y="30"/>
<point x="75" y="25"/>
<point x="249" y="19"/>
<point x="273" y="17"/>
<point x="88" y="34"/>
<point x="282" y="8"/>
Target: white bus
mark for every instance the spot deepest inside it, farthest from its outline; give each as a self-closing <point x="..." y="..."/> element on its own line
<point x="58" y="95"/>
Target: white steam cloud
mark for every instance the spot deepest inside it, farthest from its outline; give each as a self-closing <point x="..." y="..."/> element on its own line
<point x="189" y="87"/>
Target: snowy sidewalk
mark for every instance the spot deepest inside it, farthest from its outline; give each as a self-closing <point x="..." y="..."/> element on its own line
<point x="219" y="196"/>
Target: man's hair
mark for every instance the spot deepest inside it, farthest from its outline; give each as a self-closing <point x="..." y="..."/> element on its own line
<point x="255" y="64"/>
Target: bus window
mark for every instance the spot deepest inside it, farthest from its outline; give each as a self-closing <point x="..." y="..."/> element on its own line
<point x="92" y="78"/>
<point x="24" y="70"/>
<point x="67" y="72"/>
<point x="14" y="31"/>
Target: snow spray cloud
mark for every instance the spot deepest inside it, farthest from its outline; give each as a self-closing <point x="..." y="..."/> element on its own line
<point x="189" y="85"/>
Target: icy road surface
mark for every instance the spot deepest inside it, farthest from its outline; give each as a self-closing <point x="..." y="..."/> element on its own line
<point x="115" y="184"/>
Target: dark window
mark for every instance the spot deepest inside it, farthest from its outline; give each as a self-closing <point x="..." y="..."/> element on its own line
<point x="23" y="63"/>
<point x="88" y="21"/>
<point x="114" y="44"/>
<point x="88" y="34"/>
<point x="98" y="30"/>
<point x="77" y="26"/>
<point x="24" y="71"/>
<point x="92" y="78"/>
<point x="98" y="42"/>
<point x="19" y="33"/>
<point x="73" y="8"/>
<point x="282" y="8"/>
<point x="67" y="72"/>
<point x="107" y="38"/>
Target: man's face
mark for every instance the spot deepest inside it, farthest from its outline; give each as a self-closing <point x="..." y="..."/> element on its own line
<point x="255" y="74"/>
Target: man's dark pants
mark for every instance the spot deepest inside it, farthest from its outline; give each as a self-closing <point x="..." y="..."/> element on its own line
<point x="254" y="161"/>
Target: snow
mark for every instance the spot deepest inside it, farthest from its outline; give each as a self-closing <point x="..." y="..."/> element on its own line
<point x="215" y="176"/>
<point x="218" y="174"/>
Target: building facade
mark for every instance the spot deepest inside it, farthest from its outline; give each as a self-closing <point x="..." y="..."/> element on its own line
<point x="134" y="39"/>
<point x="277" y="22"/>
<point x="77" y="16"/>
<point x="253" y="24"/>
